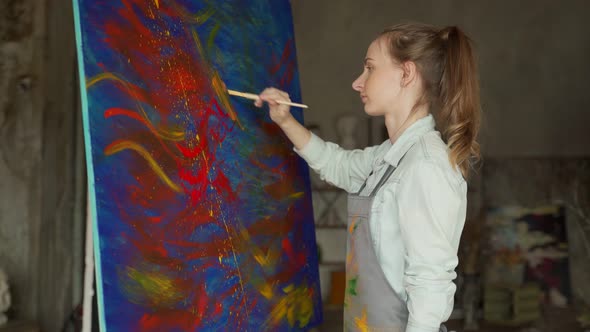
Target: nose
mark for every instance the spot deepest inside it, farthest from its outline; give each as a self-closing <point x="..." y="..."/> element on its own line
<point x="358" y="84"/>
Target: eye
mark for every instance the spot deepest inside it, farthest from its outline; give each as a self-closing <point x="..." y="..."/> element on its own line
<point x="369" y="68"/>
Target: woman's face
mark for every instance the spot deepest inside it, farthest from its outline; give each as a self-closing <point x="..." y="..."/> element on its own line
<point x="379" y="84"/>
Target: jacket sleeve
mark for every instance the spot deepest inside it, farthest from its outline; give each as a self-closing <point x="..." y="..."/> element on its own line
<point x="346" y="169"/>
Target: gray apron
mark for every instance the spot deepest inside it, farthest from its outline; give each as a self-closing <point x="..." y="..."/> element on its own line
<point x="370" y="304"/>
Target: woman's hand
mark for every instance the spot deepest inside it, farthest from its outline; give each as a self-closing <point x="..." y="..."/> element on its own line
<point x="280" y="114"/>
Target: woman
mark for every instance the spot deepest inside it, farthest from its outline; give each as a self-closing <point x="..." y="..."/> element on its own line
<point x="407" y="196"/>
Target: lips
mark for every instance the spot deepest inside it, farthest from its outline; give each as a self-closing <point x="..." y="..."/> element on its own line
<point x="363" y="98"/>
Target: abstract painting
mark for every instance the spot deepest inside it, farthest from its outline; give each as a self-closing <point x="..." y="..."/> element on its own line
<point x="202" y="215"/>
<point x="529" y="245"/>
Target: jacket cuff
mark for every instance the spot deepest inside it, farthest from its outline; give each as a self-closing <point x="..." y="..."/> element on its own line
<point x="312" y="151"/>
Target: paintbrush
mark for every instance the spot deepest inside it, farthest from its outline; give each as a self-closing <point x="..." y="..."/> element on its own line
<point x="255" y="97"/>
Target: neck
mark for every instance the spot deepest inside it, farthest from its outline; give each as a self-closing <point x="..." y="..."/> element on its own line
<point x="397" y="125"/>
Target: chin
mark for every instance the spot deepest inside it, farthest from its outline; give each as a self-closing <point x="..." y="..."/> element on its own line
<point x="371" y="111"/>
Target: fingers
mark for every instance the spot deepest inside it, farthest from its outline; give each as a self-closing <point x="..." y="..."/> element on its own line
<point x="258" y="102"/>
<point x="271" y="96"/>
<point x="276" y="93"/>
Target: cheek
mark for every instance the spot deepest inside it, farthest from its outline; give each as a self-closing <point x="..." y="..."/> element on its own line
<point x="374" y="86"/>
<point x="391" y="89"/>
<point x="379" y="83"/>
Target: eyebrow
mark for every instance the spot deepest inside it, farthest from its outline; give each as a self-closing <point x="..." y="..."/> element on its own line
<point x="367" y="60"/>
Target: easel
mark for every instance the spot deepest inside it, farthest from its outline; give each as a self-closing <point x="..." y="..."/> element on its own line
<point x="88" y="274"/>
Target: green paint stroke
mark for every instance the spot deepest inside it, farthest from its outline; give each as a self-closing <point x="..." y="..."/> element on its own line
<point x="351" y="288"/>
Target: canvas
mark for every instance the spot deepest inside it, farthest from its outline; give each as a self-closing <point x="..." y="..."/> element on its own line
<point x="202" y="212"/>
<point x="529" y="245"/>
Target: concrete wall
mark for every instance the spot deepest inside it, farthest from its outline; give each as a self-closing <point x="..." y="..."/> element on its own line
<point x="533" y="62"/>
<point x="20" y="149"/>
<point x="42" y="183"/>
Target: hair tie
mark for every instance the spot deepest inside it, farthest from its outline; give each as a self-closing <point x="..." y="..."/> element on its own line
<point x="445" y="32"/>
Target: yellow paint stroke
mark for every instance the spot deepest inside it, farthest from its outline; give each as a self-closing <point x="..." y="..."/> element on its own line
<point x="296" y="195"/>
<point x="155" y="288"/>
<point x="203" y="16"/>
<point x="216" y="83"/>
<point x="295" y="305"/>
<point x="189" y="17"/>
<point x="211" y="39"/>
<point x="266" y="290"/>
<point x="167" y="133"/>
<point x="266" y="260"/>
<point x="206" y="160"/>
<point x="157" y="2"/>
<point x="124" y="145"/>
<point x="259" y="282"/>
<point x="361" y="323"/>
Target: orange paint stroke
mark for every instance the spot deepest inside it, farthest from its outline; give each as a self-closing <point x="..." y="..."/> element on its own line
<point x="279" y="191"/>
<point x="361" y="323"/>
<point x="353" y="266"/>
<point x="221" y="92"/>
<point x="276" y="171"/>
<point x="124" y="145"/>
<point x="167" y="134"/>
<point x="216" y="83"/>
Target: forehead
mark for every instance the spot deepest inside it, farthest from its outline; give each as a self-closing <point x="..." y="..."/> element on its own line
<point x="378" y="50"/>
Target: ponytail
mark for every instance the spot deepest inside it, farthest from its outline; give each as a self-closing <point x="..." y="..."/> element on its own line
<point x="447" y="65"/>
<point x="459" y="114"/>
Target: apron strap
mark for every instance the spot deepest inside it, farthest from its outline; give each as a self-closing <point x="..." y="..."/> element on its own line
<point x="358" y="193"/>
<point x="384" y="178"/>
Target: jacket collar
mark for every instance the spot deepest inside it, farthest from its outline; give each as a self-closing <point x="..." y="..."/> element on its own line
<point x="407" y="139"/>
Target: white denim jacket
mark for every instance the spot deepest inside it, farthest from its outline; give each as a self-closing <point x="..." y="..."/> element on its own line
<point x="417" y="216"/>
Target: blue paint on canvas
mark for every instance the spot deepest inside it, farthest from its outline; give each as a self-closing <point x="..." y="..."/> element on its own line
<point x="202" y="212"/>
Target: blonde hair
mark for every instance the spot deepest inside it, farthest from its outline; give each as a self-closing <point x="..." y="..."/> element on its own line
<point x="446" y="63"/>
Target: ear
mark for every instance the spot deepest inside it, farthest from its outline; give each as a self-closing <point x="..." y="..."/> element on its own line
<point x="410" y="73"/>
